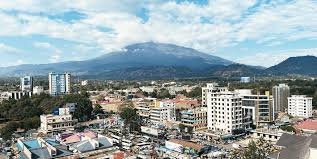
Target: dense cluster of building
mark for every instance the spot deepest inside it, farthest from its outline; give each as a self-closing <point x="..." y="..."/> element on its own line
<point x="180" y="127"/>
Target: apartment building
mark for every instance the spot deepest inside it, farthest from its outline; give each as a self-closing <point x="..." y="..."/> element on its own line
<point x="195" y="118"/>
<point x="205" y="90"/>
<point x="55" y="123"/>
<point x="300" y="106"/>
<point x="224" y="110"/>
<point x="26" y="83"/>
<point x="143" y="108"/>
<point x="165" y="112"/>
<point x="159" y="114"/>
<point x="257" y="109"/>
<point x="280" y="95"/>
<point x="59" y="83"/>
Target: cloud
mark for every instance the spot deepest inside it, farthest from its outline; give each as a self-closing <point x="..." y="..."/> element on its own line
<point x="8" y="49"/>
<point x="19" y="62"/>
<point x="55" y="57"/>
<point x="210" y="27"/>
<point x="268" y="59"/>
<point x="42" y="45"/>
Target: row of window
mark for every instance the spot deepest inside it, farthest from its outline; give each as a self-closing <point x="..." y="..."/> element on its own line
<point x="62" y="125"/>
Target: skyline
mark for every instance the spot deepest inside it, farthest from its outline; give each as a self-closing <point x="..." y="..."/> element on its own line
<point x="36" y="32"/>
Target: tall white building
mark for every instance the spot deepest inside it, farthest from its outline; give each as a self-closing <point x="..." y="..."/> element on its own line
<point x="224" y="110"/>
<point x="26" y="84"/>
<point x="300" y="106"/>
<point x="205" y="91"/>
<point x="59" y="84"/>
<point x="280" y="95"/>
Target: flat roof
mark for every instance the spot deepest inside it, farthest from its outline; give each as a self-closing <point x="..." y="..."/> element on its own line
<point x="308" y="125"/>
<point x="187" y="144"/>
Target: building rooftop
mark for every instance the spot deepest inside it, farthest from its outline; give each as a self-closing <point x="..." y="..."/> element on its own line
<point x="307" y="124"/>
<point x="187" y="144"/>
<point x="41" y="148"/>
<point x="295" y="146"/>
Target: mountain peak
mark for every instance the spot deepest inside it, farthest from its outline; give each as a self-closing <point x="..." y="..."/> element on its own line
<point x="307" y="57"/>
<point x="162" y="47"/>
<point x="296" y="65"/>
<point x="172" y="49"/>
<point x="168" y="57"/>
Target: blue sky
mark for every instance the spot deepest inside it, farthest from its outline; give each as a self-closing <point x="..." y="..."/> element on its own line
<point x="255" y="32"/>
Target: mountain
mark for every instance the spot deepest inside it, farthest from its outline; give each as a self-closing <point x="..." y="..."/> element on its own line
<point x="301" y="65"/>
<point x="137" y="60"/>
<point x="237" y="70"/>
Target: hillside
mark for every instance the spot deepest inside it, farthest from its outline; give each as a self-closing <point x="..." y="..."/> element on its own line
<point x="133" y="60"/>
<point x="302" y="65"/>
<point x="237" y="70"/>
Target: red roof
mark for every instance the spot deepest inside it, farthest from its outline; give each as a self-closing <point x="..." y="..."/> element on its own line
<point x="118" y="155"/>
<point x="308" y="125"/>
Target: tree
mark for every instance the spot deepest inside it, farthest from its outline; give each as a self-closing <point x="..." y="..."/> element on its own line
<point x="31" y="123"/>
<point x="185" y="129"/>
<point x="288" y="128"/>
<point x="181" y="127"/>
<point x="164" y="93"/>
<point x="84" y="106"/>
<point x="98" y="110"/>
<point x="8" y="130"/>
<point x="260" y="149"/>
<point x="195" y="93"/>
<point x="25" y="112"/>
<point x="131" y="118"/>
<point x="153" y="94"/>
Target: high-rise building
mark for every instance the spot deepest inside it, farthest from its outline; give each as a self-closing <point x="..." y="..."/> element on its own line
<point x="59" y="84"/>
<point x="224" y="110"/>
<point x="205" y="91"/>
<point x="26" y="84"/>
<point x="300" y="106"/>
<point x="280" y="95"/>
<point x="256" y="108"/>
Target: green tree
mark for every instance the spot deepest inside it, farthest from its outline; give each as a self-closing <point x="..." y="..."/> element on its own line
<point x="153" y="94"/>
<point x="131" y="118"/>
<point x="195" y="93"/>
<point x="98" y="110"/>
<point x="181" y="127"/>
<point x="8" y="130"/>
<point x="84" y="106"/>
<point x="288" y="128"/>
<point x="31" y="123"/>
<point x="260" y="149"/>
<point x="163" y="93"/>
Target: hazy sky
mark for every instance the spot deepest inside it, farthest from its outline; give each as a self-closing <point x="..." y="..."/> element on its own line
<point x="262" y="32"/>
